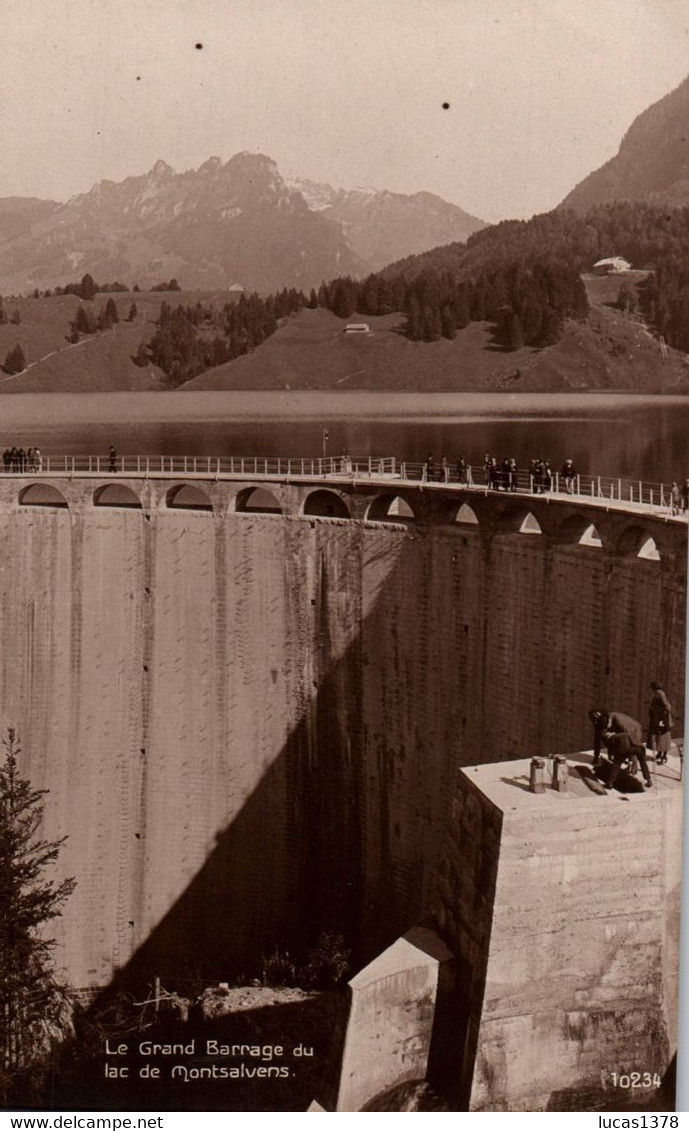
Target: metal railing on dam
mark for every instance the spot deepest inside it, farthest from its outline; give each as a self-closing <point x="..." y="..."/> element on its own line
<point x="622" y="493"/>
<point x="201" y="663"/>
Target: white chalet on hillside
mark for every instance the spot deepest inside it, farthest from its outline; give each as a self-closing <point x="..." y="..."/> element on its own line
<point x="614" y="265"/>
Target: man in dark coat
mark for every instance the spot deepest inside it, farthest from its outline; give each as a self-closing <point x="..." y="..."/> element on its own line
<point x="568" y="475"/>
<point x="623" y="738"/>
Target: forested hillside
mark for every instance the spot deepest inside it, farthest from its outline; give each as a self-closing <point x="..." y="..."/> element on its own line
<point x="652" y="239"/>
<point x="521" y="281"/>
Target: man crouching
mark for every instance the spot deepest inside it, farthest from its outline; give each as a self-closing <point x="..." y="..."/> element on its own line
<point x="623" y="738"/>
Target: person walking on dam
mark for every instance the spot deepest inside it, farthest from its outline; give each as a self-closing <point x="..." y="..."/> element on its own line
<point x="659" y="723"/>
<point x="568" y="476"/>
<point x="623" y="737"/>
<point x="112" y="456"/>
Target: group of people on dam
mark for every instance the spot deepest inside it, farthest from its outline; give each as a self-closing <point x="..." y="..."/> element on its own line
<point x="19" y="461"/>
<point x="623" y="737"/>
<point x="501" y="475"/>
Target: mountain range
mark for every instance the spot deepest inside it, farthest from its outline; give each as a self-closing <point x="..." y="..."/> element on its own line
<point x="241" y="225"/>
<point x="238" y="223"/>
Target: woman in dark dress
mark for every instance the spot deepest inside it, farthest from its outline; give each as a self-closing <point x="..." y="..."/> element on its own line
<point x="659" y="723"/>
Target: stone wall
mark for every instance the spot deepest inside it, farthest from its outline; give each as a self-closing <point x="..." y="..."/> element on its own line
<point x="250" y="723"/>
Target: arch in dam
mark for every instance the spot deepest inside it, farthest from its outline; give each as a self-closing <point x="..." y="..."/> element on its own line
<point x="529" y="524"/>
<point x="117" y="495"/>
<point x="390" y="508"/>
<point x="325" y="503"/>
<point x="513" y="517"/>
<point x="257" y="500"/>
<point x="649" y="551"/>
<point x="578" y="530"/>
<point x="591" y="537"/>
<point x="188" y="497"/>
<point x="42" y="495"/>
<point x="466" y="516"/>
<point x="637" y="542"/>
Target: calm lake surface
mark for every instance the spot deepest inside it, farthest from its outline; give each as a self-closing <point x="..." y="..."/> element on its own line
<point x="640" y="437"/>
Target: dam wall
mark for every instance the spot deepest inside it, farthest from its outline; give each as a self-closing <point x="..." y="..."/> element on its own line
<point x="251" y="710"/>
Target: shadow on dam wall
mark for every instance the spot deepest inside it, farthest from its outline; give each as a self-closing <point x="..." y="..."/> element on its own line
<point x="324" y="841"/>
<point x="344" y="828"/>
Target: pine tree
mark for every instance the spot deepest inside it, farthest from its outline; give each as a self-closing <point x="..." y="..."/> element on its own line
<point x="313" y="300"/>
<point x="478" y="303"/>
<point x="84" y="321"/>
<point x="462" y="307"/>
<point x="343" y="297"/>
<point x="551" y="331"/>
<point x="432" y="327"/>
<point x="87" y="288"/>
<point x="15" y="318"/>
<point x="108" y="316"/>
<point x="448" y="322"/>
<point x="414" y="326"/>
<point x="140" y="358"/>
<point x="133" y="311"/>
<point x="15" y="362"/>
<point x="111" y="311"/>
<point x="531" y="318"/>
<point x="515" y="334"/>
<point x="369" y="298"/>
<point x="34" y="1008"/>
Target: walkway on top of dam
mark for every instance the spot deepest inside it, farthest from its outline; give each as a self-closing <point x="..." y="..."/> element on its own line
<point x="608" y="492"/>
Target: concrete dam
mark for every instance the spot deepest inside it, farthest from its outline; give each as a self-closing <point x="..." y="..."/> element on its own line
<point x="251" y="698"/>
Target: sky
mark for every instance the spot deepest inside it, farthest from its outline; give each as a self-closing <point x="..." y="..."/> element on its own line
<point x="500" y="106"/>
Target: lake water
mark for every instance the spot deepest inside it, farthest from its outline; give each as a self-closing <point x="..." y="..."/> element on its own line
<point x="640" y="437"/>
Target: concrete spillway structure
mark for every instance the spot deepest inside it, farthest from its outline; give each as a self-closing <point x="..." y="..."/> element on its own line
<point x="561" y="910"/>
<point x="565" y="925"/>
<point x="251" y="710"/>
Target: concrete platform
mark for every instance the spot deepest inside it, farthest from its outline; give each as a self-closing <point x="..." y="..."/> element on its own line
<point x="563" y="911"/>
<point x="498" y="781"/>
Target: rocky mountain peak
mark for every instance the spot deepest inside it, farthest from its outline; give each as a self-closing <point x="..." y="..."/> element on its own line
<point x="252" y="163"/>
<point x="221" y="224"/>
<point x="161" y="170"/>
<point x="212" y="165"/>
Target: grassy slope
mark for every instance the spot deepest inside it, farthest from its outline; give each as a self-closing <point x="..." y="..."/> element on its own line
<point x="101" y="363"/>
<point x="311" y="352"/>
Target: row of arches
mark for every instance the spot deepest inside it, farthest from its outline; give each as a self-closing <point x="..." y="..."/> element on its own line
<point x="120" y="495"/>
<point x="324" y="503"/>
